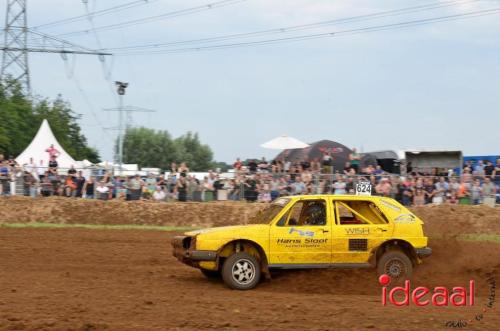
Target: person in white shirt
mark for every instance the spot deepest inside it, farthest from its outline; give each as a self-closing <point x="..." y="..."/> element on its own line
<point x="103" y="191"/>
<point x="40" y="170"/>
<point x="159" y="194"/>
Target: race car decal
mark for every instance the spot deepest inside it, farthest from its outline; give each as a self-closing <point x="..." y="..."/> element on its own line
<point x="390" y="205"/>
<point x="358" y="231"/>
<point x="302" y="233"/>
<point x="405" y="218"/>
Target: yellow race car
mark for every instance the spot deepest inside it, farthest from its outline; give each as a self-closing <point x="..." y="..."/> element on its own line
<point x="313" y="231"/>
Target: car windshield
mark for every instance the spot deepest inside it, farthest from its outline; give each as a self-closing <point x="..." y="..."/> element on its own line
<point x="268" y="214"/>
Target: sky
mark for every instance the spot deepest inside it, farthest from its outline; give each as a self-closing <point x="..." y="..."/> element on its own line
<point x="431" y="87"/>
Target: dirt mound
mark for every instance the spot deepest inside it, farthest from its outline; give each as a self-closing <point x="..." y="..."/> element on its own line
<point x="81" y="211"/>
<point x="450" y="220"/>
<point x="445" y="220"/>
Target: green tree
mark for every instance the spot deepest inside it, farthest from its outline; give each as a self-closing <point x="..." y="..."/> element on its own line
<point x="198" y="156"/>
<point x="148" y="148"/>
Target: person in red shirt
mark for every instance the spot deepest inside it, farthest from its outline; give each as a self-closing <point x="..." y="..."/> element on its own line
<point x="53" y="152"/>
<point x="238" y="164"/>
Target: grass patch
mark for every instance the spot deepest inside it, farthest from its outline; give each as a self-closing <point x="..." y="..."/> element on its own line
<point x="480" y="237"/>
<point x="472" y="237"/>
<point x="41" y="225"/>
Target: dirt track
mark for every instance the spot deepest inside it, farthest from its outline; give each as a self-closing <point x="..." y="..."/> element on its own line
<point x="127" y="280"/>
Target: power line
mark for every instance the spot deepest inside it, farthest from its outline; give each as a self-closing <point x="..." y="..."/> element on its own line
<point x="98" y="13"/>
<point x="301" y="27"/>
<point x="369" y="29"/>
<point x="149" y="19"/>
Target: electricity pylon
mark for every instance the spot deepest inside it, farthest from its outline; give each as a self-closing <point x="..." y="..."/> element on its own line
<point x="19" y="40"/>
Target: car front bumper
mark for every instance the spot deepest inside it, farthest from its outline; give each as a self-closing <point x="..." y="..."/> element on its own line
<point x="423" y="252"/>
<point x="183" y="250"/>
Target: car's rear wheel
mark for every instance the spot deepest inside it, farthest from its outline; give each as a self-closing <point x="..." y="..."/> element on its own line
<point x="241" y="271"/>
<point x="396" y="264"/>
<point x="211" y="274"/>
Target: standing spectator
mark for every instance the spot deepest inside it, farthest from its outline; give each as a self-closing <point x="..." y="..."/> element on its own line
<point x="183" y="169"/>
<point x="30" y="167"/>
<point x="489" y="168"/>
<point x="497" y="172"/>
<point x="252" y="166"/>
<point x="275" y="188"/>
<point x="88" y="189"/>
<point x="355" y="159"/>
<point x="349" y="185"/>
<point x="53" y="163"/>
<point x="250" y="189"/>
<point x="80" y="182"/>
<point x="479" y="169"/>
<point x="476" y="192"/>
<point x="384" y="187"/>
<point x="208" y="189"/>
<point x="378" y="172"/>
<point x="419" y="197"/>
<point x="489" y="191"/>
<point x="466" y="175"/>
<point x="182" y="188"/>
<point x="4" y="177"/>
<point x="237" y="165"/>
<point x="263" y="165"/>
<point x="429" y="190"/>
<point x="159" y="194"/>
<point x="463" y="193"/>
<point x="306" y="165"/>
<point x="407" y="193"/>
<point x="287" y="166"/>
<point x="102" y="191"/>
<point x="441" y="187"/>
<point x="233" y="190"/>
<point x="339" y="186"/>
<point x="29" y="183"/>
<point x="327" y="163"/>
<point x="40" y="170"/>
<point x="53" y="152"/>
<point x="135" y="188"/>
<point x="150" y="184"/>
<point x="315" y="166"/>
<point x="46" y="187"/>
<point x="298" y="187"/>
<point x="72" y="170"/>
<point x="348" y="169"/>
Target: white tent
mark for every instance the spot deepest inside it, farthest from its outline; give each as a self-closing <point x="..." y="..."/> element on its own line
<point x="284" y="142"/>
<point x="38" y="146"/>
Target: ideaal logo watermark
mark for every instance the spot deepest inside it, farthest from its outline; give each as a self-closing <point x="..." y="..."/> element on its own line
<point x="439" y="297"/>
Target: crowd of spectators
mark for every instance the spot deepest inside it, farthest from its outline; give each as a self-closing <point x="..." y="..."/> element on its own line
<point x="259" y="181"/>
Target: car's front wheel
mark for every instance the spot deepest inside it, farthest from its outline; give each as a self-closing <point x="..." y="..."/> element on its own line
<point x="396" y="265"/>
<point x="241" y="271"/>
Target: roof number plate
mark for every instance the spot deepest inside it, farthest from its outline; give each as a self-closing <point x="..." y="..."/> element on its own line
<point x="364" y="188"/>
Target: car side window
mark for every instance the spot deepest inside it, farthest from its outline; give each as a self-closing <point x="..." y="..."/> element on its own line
<point x="359" y="212"/>
<point x="346" y="216"/>
<point x="305" y="213"/>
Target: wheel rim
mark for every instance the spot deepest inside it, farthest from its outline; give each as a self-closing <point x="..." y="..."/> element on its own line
<point x="243" y="271"/>
<point x="395" y="268"/>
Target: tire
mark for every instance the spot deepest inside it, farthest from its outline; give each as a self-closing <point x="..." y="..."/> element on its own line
<point x="241" y="271"/>
<point x="396" y="265"/>
<point x="210" y="274"/>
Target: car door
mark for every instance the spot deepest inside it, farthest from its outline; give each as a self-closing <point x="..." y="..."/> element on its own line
<point x="359" y="227"/>
<point x="302" y="237"/>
